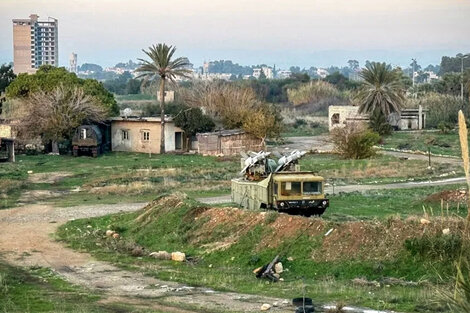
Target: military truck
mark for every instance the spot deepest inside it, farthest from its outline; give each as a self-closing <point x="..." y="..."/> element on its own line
<point x="280" y="186"/>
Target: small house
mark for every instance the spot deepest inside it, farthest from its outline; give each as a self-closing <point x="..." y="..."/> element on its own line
<point x="143" y="134"/>
<point x="228" y="142"/>
<point x="89" y="140"/>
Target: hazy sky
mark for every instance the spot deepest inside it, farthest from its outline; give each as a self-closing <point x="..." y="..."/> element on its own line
<point x="294" y="32"/>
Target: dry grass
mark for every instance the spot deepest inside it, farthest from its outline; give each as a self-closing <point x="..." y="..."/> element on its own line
<point x="133" y="188"/>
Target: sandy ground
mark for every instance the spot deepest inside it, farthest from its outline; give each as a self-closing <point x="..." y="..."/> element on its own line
<point x="26" y="240"/>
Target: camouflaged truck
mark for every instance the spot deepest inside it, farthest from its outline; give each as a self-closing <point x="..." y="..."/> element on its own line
<point x="280" y="186"/>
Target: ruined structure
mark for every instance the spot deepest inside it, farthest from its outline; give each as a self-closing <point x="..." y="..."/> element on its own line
<point x="228" y="142"/>
<point x="407" y="119"/>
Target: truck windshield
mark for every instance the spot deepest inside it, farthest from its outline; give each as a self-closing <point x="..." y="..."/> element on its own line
<point x="291" y="189"/>
<point x="312" y="187"/>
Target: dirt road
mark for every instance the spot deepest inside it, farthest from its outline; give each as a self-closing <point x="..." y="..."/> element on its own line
<point x="25" y="240"/>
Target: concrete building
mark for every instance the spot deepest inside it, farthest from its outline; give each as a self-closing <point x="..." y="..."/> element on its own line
<point x="134" y="134"/>
<point x="407" y="119"/>
<point x="35" y="43"/>
<point x="73" y="63"/>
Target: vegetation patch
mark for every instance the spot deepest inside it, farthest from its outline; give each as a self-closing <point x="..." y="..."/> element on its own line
<point x="224" y="245"/>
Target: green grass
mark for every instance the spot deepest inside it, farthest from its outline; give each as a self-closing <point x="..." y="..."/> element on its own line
<point x="304" y="130"/>
<point x="172" y="229"/>
<point x="382" y="204"/>
<point x="40" y="290"/>
<point x="191" y="173"/>
<point x="439" y="143"/>
<point x="379" y="169"/>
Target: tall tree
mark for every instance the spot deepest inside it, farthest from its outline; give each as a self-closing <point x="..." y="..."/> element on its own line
<point x="163" y="67"/>
<point x="54" y="115"/>
<point x="353" y="64"/>
<point x="381" y="90"/>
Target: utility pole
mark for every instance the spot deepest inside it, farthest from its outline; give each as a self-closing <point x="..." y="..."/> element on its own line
<point x="462" y="56"/>
<point x="413" y="75"/>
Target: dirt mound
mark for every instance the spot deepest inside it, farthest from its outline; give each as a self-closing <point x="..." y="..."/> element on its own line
<point x="378" y="240"/>
<point x="159" y="206"/>
<point x="459" y="195"/>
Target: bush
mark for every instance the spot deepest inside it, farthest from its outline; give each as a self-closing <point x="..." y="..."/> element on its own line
<point x="354" y="141"/>
<point x="435" y="247"/>
<point x="299" y="123"/>
<point x="379" y="124"/>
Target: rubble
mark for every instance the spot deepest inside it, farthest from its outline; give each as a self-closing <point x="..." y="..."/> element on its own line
<point x="178" y="256"/>
<point x="265" y="307"/>
<point x="161" y="255"/>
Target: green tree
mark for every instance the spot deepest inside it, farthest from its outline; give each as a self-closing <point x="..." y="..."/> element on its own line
<point x="193" y="121"/>
<point x="262" y="75"/>
<point x="6" y="76"/>
<point x="381" y="90"/>
<point x="54" y="115"/>
<point x="164" y="68"/>
<point x="48" y="78"/>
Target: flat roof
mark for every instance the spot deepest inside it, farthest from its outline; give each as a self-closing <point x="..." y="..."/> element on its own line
<point x="168" y="119"/>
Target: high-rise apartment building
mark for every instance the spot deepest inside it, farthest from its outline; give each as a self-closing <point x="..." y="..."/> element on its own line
<point x="34" y="43"/>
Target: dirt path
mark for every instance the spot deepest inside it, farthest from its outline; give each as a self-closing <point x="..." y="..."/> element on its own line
<point x="25" y="240"/>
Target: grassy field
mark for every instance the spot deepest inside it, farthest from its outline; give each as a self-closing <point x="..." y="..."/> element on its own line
<point x="135" y="177"/>
<point x="225" y="252"/>
<point x="380" y="169"/>
<point x="439" y="143"/>
<point x="40" y="290"/>
<point x="112" y="178"/>
<point x="312" y="129"/>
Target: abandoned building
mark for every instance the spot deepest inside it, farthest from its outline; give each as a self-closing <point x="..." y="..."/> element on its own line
<point x="91" y="140"/>
<point x="407" y="119"/>
<point x="142" y="134"/>
<point x="228" y="142"/>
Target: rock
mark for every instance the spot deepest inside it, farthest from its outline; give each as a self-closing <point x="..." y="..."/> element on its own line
<point x="265" y="307"/>
<point x="290" y="259"/>
<point x="275" y="304"/>
<point x="109" y="233"/>
<point x="425" y="221"/>
<point x="446" y="231"/>
<point x="137" y="251"/>
<point x="161" y="255"/>
<point x="116" y="236"/>
<point x="178" y="256"/>
<point x="30" y="172"/>
<point x="278" y="268"/>
<point x="210" y="265"/>
<point x="285" y="302"/>
<point x="281" y="279"/>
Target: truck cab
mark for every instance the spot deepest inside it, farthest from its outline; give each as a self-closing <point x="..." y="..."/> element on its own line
<point x="299" y="193"/>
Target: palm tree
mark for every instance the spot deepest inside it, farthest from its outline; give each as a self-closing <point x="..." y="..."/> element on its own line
<point x="381" y="90"/>
<point x="162" y="67"/>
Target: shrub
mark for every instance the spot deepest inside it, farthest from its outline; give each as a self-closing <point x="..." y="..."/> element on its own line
<point x="312" y="92"/>
<point x="354" y="141"/>
<point x="299" y="123"/>
<point x="379" y="124"/>
<point x="435" y="247"/>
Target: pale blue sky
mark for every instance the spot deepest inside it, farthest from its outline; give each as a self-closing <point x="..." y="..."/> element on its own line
<point x="293" y="32"/>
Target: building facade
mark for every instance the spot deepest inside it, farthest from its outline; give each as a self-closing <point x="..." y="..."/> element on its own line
<point x="35" y="43"/>
<point x="134" y="134"/>
<point x="407" y="119"/>
<point x="73" y="63"/>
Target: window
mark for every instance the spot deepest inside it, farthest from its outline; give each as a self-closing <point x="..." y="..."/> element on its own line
<point x="312" y="187"/>
<point x="335" y="119"/>
<point x="145" y="135"/>
<point x="291" y="189"/>
<point x="125" y="134"/>
<point x="275" y="189"/>
<point x="83" y="133"/>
